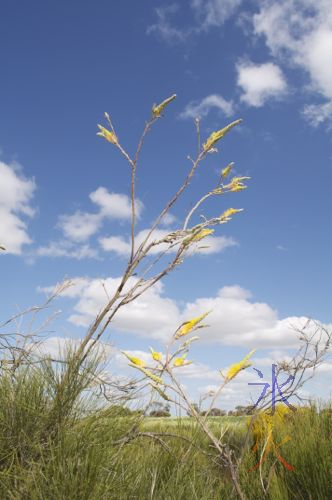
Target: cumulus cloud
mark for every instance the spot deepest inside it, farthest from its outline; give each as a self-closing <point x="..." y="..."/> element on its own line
<point x="238" y="321"/>
<point x="57" y="347"/>
<point x="201" y="109"/>
<point x="299" y="33"/>
<point x="114" y="205"/>
<point x="235" y="320"/>
<point x="196" y="370"/>
<point x="16" y="193"/>
<point x="64" y="248"/>
<point x="168" y="219"/>
<point x="260" y="82"/>
<point x="122" y="246"/>
<point x="78" y="227"/>
<point x="116" y="244"/>
<point x="81" y="225"/>
<point x="151" y="315"/>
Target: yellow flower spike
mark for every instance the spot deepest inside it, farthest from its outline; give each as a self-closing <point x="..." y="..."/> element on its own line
<point x="157" y="356"/>
<point x="161" y="393"/>
<point x="189" y="341"/>
<point x="216" y="136"/>
<point x="107" y="134"/>
<point x="158" y="109"/>
<point x="135" y="361"/>
<point x="226" y="216"/>
<point x="189" y="325"/>
<point x="181" y="361"/>
<point x="148" y="374"/>
<point x="237" y="367"/>
<point x="198" y="236"/>
<point x="226" y="171"/>
<point x="202" y="234"/>
<point x="237" y="187"/>
<point x="236" y="184"/>
<point x="239" y="179"/>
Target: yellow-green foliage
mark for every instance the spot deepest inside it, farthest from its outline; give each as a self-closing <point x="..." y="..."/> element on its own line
<point x="264" y="419"/>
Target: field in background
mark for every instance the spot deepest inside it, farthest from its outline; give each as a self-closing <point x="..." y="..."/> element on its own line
<point x="57" y="445"/>
<point x="181" y="422"/>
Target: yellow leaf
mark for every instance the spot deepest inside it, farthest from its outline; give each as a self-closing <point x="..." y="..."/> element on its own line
<point x="236" y="184"/>
<point x="149" y="374"/>
<point x="181" y="361"/>
<point x="161" y="393"/>
<point x="237" y="367"/>
<point x="216" y="136"/>
<point x="226" y="171"/>
<point x="238" y="187"/>
<point x="157" y="356"/>
<point x="198" y="236"/>
<point x="134" y="360"/>
<point x="107" y="134"/>
<point x="226" y="216"/>
<point x="158" y="109"/>
<point x="189" y="325"/>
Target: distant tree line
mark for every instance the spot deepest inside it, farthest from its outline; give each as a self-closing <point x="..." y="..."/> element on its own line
<point x="159" y="409"/>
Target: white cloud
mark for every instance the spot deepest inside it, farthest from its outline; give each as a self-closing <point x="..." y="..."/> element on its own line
<point x="214" y="12"/>
<point x="114" y="205"/>
<point x="121" y="245"/>
<point x="151" y="315"/>
<point x="16" y="194"/>
<point x="198" y="370"/>
<point x="260" y="82"/>
<point x="208" y="14"/>
<point x="168" y="219"/>
<point x="57" y="347"/>
<point x="318" y="113"/>
<point x="299" y="33"/>
<point x="64" y="248"/>
<point x="235" y="320"/>
<point x="81" y="225"/>
<point x="215" y="244"/>
<point x="325" y="367"/>
<point x="116" y="244"/>
<point x="78" y="227"/>
<point x="164" y="27"/>
<point x="201" y="109"/>
<point x="237" y="392"/>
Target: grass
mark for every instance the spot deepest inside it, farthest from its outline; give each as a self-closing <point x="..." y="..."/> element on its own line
<point x="170" y="422"/>
<point x="58" y="442"/>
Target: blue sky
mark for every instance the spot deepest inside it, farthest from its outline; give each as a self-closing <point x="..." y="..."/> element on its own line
<point x="64" y="190"/>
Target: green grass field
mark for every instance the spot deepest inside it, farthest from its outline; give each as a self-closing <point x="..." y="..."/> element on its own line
<point x="57" y="445"/>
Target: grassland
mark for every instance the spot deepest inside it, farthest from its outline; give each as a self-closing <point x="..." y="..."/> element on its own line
<point x="56" y="442"/>
<point x="171" y="422"/>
